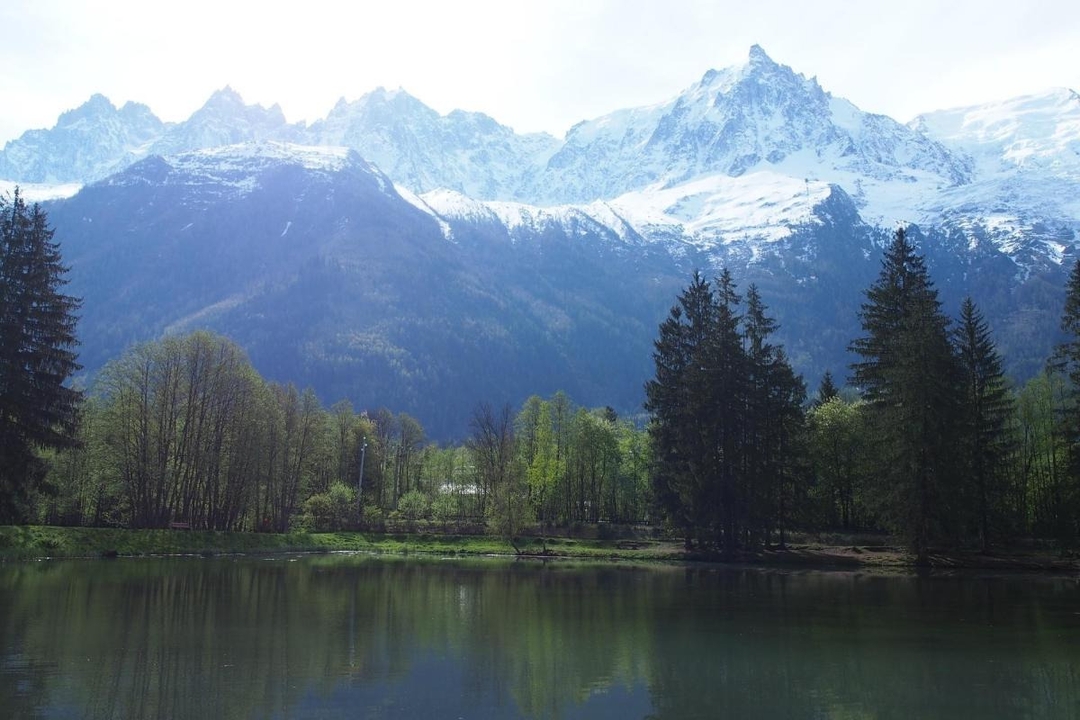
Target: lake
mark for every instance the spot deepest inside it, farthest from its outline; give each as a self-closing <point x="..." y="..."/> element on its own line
<point x="351" y="636"/>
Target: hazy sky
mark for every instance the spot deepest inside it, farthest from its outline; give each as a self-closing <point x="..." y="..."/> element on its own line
<point x="531" y="65"/>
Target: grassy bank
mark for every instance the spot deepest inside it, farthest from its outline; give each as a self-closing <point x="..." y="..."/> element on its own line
<point x="34" y="542"/>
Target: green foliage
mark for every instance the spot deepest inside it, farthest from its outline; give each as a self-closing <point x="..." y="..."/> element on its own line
<point x="726" y="418"/>
<point x="37" y="354"/>
<point x="839" y="451"/>
<point x="444" y="509"/>
<point x="413" y="506"/>
<point x="983" y="439"/>
<point x="330" y="511"/>
<point x="185" y="421"/>
<point x="827" y="390"/>
<point x="909" y="376"/>
<point x="184" y="430"/>
<point x="1068" y="357"/>
<point x="498" y="473"/>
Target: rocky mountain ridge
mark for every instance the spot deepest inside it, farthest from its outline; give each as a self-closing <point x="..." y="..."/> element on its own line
<point x="448" y="260"/>
<point x="714" y="163"/>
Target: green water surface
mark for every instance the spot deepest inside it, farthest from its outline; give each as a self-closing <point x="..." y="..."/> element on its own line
<point x="347" y="636"/>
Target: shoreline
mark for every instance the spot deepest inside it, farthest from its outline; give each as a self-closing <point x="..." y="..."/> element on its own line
<point x="22" y="543"/>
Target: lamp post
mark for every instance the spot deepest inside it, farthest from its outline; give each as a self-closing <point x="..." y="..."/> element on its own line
<point x="360" y="483"/>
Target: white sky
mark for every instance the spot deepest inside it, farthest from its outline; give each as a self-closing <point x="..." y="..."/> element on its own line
<point x="536" y="65"/>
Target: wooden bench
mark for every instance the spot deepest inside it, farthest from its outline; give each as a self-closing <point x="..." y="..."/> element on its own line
<point x="179" y="526"/>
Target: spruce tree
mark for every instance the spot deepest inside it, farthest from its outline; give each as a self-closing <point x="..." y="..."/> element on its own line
<point x="37" y="341"/>
<point x="827" y="390"/>
<point x="773" y="421"/>
<point x="698" y="402"/>
<point x="986" y="407"/>
<point x="907" y="373"/>
<point x="726" y="417"/>
<point x="726" y="388"/>
<point x="1068" y="359"/>
<point x="678" y="404"/>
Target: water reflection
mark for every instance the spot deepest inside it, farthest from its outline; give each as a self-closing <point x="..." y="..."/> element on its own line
<point x="346" y="636"/>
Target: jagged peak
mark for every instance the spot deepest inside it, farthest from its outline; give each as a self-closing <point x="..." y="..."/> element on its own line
<point x="758" y="56"/>
<point x="224" y="96"/>
<point x="132" y="107"/>
<point x="97" y="104"/>
<point x="99" y="100"/>
<point x="759" y="67"/>
<point x="395" y="95"/>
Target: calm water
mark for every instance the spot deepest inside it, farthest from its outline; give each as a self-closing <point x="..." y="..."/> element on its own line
<point x="360" y="637"/>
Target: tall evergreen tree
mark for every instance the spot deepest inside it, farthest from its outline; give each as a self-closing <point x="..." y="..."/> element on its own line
<point x="827" y="390"/>
<point x="1068" y="359"/>
<point x="37" y="340"/>
<point x="726" y="411"/>
<point x="726" y="386"/>
<point x="775" y="395"/>
<point x="907" y="373"/>
<point x="985" y="412"/>
<point x="678" y="404"/>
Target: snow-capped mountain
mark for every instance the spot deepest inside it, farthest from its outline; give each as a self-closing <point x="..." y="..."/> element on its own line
<point x="760" y="115"/>
<point x="225" y="120"/>
<point x="742" y="153"/>
<point x="381" y="242"/>
<point x="1024" y="196"/>
<point x="96" y="139"/>
<point x="87" y="143"/>
<point x="1033" y="133"/>
<point x="422" y="150"/>
<point x="330" y="277"/>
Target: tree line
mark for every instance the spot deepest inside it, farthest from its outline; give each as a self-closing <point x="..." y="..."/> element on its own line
<point x="928" y="440"/>
<point x="184" y="430"/>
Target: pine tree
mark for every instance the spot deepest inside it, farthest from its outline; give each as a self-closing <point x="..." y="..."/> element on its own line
<point x="726" y="417"/>
<point x="726" y="387"/>
<point x="37" y="341"/>
<point x="677" y="403"/>
<point x="827" y="390"/>
<point x="985" y="412"/>
<point x="1068" y="359"/>
<point x="773" y="421"/>
<point x="907" y="373"/>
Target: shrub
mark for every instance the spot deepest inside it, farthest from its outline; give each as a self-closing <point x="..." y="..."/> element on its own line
<point x="444" y="509"/>
<point x="413" y="506"/>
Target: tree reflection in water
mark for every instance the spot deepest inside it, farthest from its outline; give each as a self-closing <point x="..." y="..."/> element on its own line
<point x="353" y="636"/>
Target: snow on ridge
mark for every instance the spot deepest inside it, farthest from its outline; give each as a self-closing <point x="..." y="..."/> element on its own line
<point x="39" y="192"/>
<point x="518" y="218"/>
<point x="236" y="168"/>
<point x="1041" y="130"/>
<point x="328" y="158"/>
<point x="454" y="205"/>
<point x="418" y="202"/>
<point x="756" y="208"/>
<point x="718" y="209"/>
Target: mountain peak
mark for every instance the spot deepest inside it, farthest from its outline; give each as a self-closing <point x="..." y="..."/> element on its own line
<point x="397" y="96"/>
<point x="226" y="96"/>
<point x="99" y="100"/>
<point x="97" y="106"/>
<point x="758" y="57"/>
